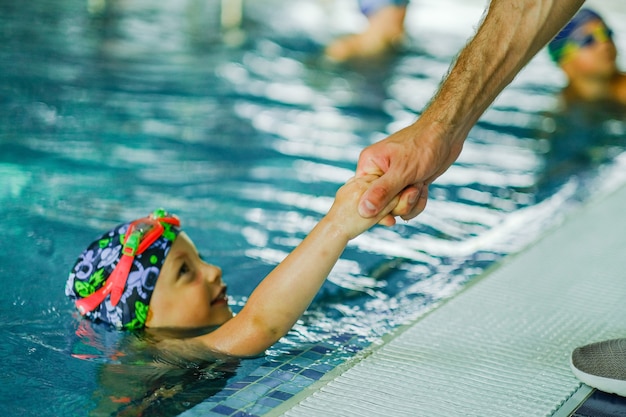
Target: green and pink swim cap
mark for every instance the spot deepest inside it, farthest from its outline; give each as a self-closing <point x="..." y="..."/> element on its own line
<point x="114" y="278"/>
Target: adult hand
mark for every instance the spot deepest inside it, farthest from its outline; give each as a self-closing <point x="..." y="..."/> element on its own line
<point x="406" y="163"/>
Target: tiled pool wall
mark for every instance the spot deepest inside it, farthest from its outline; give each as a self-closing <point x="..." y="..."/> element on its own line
<point x="277" y="379"/>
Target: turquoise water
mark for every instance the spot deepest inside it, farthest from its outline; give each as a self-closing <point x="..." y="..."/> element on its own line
<point x="107" y="113"/>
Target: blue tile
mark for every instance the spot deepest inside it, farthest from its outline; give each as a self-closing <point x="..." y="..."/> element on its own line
<point x="235" y="402"/>
<point x="304" y="362"/>
<point x="342" y="337"/>
<point x="321" y="367"/>
<point x="321" y="349"/>
<point x="281" y="395"/>
<point x="292" y="387"/>
<point x="291" y="367"/>
<point x="254" y="391"/>
<point x="226" y="392"/>
<point x="238" y="385"/>
<point x="313" y="374"/>
<point x="269" y="401"/>
<point x="259" y="409"/>
<point x="282" y="375"/>
<point x="244" y="414"/>
<point x="301" y="381"/>
<point x="223" y="410"/>
<point x="270" y="382"/>
<point x="353" y="347"/>
<point x="250" y="378"/>
<point x="312" y="355"/>
<point x="277" y="379"/>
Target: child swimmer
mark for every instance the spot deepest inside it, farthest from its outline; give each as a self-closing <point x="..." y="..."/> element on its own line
<point x="585" y="51"/>
<point x="148" y="273"/>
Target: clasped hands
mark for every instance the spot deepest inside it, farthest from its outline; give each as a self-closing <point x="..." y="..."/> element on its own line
<point x="404" y="164"/>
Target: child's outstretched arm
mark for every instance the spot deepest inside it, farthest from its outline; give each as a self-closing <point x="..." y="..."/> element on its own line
<point x="281" y="298"/>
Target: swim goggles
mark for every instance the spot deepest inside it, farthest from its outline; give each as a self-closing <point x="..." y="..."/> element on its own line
<point x="598" y="35"/>
<point x="140" y="235"/>
<point x="584" y="40"/>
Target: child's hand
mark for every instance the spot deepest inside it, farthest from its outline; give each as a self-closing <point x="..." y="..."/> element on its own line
<point x="344" y="211"/>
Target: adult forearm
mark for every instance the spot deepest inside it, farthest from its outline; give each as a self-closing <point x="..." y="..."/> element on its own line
<point x="511" y="33"/>
<point x="412" y="158"/>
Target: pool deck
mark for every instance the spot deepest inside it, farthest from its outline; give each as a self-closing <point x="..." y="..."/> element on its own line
<point x="500" y="347"/>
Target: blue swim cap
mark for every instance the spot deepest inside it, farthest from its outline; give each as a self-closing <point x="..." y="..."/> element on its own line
<point x="90" y="282"/>
<point x="556" y="47"/>
<point x="369" y="7"/>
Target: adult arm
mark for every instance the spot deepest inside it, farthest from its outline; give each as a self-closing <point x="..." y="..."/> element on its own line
<point x="511" y="33"/>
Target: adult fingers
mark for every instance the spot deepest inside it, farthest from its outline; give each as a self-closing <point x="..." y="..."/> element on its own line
<point x="407" y="200"/>
<point x="379" y="194"/>
<point x="419" y="205"/>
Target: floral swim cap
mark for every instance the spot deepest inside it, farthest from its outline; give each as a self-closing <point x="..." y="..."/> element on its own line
<point x="113" y="279"/>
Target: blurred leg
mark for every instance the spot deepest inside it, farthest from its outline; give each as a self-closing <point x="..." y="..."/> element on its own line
<point x="385" y="31"/>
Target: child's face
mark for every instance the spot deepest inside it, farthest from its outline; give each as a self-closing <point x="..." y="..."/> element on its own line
<point x="189" y="292"/>
<point x="595" y="59"/>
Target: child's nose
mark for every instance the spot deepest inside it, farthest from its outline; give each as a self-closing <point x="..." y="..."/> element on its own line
<point x="213" y="273"/>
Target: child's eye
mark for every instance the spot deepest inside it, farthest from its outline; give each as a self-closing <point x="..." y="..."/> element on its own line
<point x="184" y="269"/>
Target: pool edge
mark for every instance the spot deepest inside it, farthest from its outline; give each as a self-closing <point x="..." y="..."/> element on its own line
<point x="613" y="199"/>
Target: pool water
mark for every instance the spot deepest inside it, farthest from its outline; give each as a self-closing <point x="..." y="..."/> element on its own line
<point x="109" y="110"/>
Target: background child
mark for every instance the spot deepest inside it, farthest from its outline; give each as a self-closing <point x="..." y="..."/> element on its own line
<point x="149" y="274"/>
<point x="585" y="51"/>
<point x="584" y="130"/>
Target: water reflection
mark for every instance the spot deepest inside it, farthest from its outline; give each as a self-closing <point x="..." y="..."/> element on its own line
<point x="133" y="378"/>
<point x="581" y="136"/>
